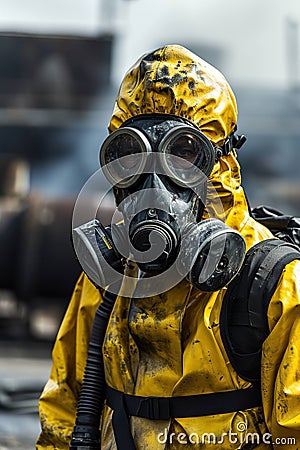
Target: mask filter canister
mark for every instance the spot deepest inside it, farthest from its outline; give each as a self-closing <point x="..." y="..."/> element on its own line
<point x="211" y="254"/>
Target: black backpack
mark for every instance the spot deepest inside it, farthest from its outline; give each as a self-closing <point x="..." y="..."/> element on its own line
<point x="243" y="321"/>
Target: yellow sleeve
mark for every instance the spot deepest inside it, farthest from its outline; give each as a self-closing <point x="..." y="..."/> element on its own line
<point x="58" y="402"/>
<point x="281" y="362"/>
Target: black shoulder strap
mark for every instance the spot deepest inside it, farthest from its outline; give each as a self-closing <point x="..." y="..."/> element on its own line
<point x="243" y="322"/>
<point x="283" y="226"/>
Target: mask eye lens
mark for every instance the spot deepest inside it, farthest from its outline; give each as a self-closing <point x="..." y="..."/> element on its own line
<point x="123" y="156"/>
<point x="120" y="147"/>
<point x="187" y="156"/>
<point x="186" y="149"/>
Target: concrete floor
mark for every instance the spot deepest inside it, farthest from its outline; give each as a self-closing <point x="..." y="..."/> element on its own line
<point x="24" y="369"/>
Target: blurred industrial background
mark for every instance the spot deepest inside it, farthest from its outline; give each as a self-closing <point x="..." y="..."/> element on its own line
<point x="61" y="64"/>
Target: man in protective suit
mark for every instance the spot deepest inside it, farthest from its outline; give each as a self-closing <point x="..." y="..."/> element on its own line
<point x="168" y="343"/>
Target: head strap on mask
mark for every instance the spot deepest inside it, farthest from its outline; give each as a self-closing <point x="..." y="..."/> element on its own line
<point x="233" y="141"/>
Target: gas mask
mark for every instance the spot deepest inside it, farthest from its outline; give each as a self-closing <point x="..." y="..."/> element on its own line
<point x="159" y="166"/>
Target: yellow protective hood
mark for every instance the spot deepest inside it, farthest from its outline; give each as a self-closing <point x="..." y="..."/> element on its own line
<point x="173" y="80"/>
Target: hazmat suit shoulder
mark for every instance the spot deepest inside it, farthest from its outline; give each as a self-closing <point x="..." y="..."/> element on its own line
<point x="281" y="359"/>
<point x="58" y="402"/>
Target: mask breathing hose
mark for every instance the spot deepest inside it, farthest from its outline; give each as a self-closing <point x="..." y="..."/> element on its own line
<point x="86" y="434"/>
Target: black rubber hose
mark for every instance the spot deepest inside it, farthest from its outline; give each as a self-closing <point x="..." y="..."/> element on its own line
<point x="93" y="391"/>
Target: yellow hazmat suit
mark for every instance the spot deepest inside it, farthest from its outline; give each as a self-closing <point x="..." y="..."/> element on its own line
<point x="170" y="344"/>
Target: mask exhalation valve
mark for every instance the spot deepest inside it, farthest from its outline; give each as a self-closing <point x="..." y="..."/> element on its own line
<point x="154" y="245"/>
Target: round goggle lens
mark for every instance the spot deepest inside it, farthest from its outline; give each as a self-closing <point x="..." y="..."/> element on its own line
<point x="123" y="156"/>
<point x="184" y="152"/>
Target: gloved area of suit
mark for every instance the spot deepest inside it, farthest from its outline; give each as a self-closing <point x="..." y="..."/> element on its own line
<point x="170" y="344"/>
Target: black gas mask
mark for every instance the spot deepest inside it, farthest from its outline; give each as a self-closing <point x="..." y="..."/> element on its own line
<point x="159" y="166"/>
